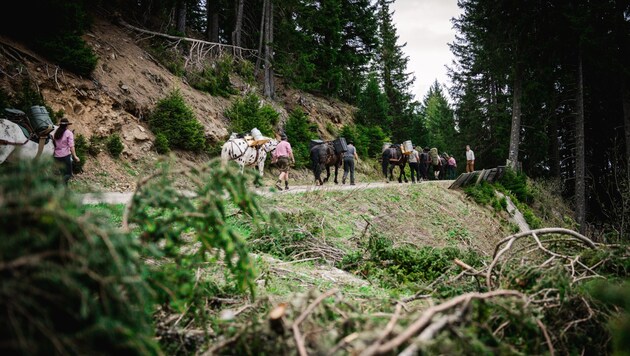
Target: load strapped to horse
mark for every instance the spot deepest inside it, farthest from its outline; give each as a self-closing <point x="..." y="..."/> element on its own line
<point x="248" y="149"/>
<point x="395" y="155"/>
<point x="37" y="127"/>
<point x="326" y="154"/>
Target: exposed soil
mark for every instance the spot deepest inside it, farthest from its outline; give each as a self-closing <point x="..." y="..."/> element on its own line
<point x="121" y="94"/>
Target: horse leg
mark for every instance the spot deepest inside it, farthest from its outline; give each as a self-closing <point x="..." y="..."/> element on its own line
<point x="391" y="173"/>
<point x="336" y="170"/>
<point x="327" y="173"/>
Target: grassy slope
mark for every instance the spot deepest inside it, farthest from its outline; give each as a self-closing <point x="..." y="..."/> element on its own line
<point x="326" y="225"/>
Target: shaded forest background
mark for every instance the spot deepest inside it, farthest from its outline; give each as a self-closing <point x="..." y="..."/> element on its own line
<point x="543" y="85"/>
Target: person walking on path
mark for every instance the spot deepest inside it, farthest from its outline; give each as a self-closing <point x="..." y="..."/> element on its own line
<point x="451" y="167"/>
<point x="348" y="163"/>
<point x="414" y="161"/>
<point x="283" y="157"/>
<point x="64" y="149"/>
<point x="470" y="160"/>
<point x="424" y="164"/>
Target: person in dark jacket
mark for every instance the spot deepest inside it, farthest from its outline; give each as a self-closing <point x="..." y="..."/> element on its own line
<point x="348" y="163"/>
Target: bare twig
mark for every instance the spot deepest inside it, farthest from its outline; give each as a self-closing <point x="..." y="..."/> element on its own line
<point x="425" y="319"/>
<point x="296" y="324"/>
<point x="546" y="334"/>
<point x="509" y="241"/>
<point x="388" y="329"/>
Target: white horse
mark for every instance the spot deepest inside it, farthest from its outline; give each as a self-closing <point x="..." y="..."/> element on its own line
<point x="236" y="149"/>
<point x="14" y="146"/>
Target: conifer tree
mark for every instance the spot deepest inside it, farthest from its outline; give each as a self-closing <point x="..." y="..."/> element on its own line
<point x="391" y="63"/>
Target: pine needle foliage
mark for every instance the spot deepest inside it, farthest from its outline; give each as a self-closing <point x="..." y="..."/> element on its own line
<point x="169" y="218"/>
<point x="248" y="112"/>
<point x="71" y="283"/>
<point x="173" y="118"/>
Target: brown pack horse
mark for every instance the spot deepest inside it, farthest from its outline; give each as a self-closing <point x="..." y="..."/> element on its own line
<point x="393" y="157"/>
<point x="324" y="156"/>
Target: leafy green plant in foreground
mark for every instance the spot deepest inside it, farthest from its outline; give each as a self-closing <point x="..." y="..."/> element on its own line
<point x="71" y="282"/>
<point x="186" y="230"/>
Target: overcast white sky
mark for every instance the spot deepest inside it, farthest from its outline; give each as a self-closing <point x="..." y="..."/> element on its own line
<point x="426" y="27"/>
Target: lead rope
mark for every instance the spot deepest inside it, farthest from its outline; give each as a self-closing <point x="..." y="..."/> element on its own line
<point x="5" y="142"/>
<point x="40" y="148"/>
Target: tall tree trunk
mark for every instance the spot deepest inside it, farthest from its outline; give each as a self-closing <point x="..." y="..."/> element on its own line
<point x="515" y="133"/>
<point x="626" y="121"/>
<point x="580" y="169"/>
<point x="212" y="20"/>
<point x="269" y="85"/>
<point x="181" y="16"/>
<point x="554" y="159"/>
<point x="238" y="26"/>
<point x="261" y="38"/>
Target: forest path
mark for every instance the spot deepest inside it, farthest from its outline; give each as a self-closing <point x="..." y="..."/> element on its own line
<point x="125" y="197"/>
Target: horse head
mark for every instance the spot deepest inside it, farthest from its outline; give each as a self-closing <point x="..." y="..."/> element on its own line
<point x="271" y="145"/>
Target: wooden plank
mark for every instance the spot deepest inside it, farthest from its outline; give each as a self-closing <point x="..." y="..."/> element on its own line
<point x="480" y="176"/>
<point x="458" y="181"/>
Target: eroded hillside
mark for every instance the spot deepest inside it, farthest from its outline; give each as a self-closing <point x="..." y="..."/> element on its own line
<point x="123" y="90"/>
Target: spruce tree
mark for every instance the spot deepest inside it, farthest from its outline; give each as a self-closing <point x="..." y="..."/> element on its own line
<point x="391" y="63"/>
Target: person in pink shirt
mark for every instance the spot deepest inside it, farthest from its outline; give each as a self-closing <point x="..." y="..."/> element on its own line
<point x="64" y="149"/>
<point x="283" y="157"/>
<point x="451" y="167"/>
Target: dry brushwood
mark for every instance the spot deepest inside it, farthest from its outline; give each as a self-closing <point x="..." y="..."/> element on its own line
<point x="426" y="320"/>
<point x="199" y="50"/>
<point x="509" y="241"/>
<point x="296" y="324"/>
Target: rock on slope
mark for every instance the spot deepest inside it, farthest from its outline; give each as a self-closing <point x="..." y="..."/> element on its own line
<point x="127" y="84"/>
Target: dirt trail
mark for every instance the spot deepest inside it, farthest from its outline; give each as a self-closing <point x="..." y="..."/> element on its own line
<point x="125" y="197"/>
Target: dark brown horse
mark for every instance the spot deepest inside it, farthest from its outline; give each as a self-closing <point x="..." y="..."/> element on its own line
<point x="393" y="157"/>
<point x="323" y="156"/>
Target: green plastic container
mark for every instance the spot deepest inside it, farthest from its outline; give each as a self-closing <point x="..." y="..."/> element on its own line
<point x="40" y="120"/>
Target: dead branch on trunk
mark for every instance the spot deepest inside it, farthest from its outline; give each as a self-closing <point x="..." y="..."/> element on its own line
<point x="199" y="49"/>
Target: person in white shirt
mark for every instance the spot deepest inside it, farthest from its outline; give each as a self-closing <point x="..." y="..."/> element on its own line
<point x="414" y="161"/>
<point x="470" y="160"/>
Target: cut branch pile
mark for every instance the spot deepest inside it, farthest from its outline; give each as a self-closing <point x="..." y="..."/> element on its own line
<point x="551" y="317"/>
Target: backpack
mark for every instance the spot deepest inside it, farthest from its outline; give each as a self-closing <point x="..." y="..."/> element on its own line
<point x="435" y="158"/>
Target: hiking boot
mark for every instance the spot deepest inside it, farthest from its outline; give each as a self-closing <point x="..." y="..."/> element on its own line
<point x="278" y="186"/>
<point x="286" y="187"/>
<point x="343" y="181"/>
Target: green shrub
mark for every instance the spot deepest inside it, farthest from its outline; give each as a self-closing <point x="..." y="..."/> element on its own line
<point x="300" y="131"/>
<point x="71" y="282"/>
<point x="516" y="184"/>
<point x="247" y="113"/>
<point x="245" y="69"/>
<point x="166" y="217"/>
<point x="54" y="30"/>
<point x="71" y="52"/>
<point x="115" y="145"/>
<point x="399" y="266"/>
<point x="176" y="121"/>
<point x="214" y="79"/>
<point x="96" y="145"/>
<point x="81" y="147"/>
<point x="161" y="144"/>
